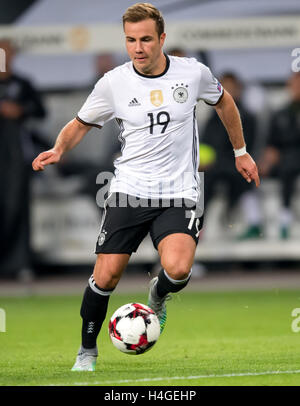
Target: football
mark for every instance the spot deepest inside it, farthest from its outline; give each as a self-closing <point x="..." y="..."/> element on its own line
<point x="134" y="328"/>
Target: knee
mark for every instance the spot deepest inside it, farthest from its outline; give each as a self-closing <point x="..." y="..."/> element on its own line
<point x="106" y="274"/>
<point x="177" y="271"/>
<point x="107" y="280"/>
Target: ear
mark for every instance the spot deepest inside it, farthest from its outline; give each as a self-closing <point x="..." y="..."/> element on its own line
<point x="162" y="39"/>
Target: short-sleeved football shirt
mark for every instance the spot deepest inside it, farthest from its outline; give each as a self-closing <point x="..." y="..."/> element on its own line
<point x="158" y="129"/>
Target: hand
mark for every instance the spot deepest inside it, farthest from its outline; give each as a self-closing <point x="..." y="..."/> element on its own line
<point x="11" y="110"/>
<point x="46" y="158"/>
<point x="247" y="168"/>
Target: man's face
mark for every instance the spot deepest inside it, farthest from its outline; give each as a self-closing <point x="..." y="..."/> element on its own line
<point x="144" y="46"/>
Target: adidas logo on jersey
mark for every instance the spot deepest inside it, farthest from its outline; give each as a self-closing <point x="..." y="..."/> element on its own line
<point x="133" y="103"/>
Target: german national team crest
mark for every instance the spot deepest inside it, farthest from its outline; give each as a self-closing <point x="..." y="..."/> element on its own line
<point x="101" y="237"/>
<point x="180" y="94"/>
<point x="156" y="97"/>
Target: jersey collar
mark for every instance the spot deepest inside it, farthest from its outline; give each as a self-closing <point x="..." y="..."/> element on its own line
<point x="154" y="76"/>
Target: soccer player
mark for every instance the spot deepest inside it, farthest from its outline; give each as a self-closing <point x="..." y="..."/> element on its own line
<point x="153" y="98"/>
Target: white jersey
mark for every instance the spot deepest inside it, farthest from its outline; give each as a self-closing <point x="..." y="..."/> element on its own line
<point x="158" y="128"/>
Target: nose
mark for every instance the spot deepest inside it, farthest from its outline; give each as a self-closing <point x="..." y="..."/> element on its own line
<point x="138" y="47"/>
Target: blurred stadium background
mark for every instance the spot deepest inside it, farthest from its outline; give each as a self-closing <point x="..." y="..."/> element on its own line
<point x="64" y="46"/>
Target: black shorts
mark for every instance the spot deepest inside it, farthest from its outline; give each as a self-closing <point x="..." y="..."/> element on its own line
<point x="124" y="228"/>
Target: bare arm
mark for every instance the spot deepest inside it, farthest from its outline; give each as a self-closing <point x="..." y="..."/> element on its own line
<point x="230" y="117"/>
<point x="68" y="138"/>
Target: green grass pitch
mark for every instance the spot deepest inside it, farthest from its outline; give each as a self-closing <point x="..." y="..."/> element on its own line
<point x="211" y="338"/>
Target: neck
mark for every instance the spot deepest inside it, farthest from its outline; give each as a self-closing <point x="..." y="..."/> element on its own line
<point x="156" y="70"/>
<point x="161" y="65"/>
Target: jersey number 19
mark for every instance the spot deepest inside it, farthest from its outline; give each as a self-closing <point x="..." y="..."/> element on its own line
<point x="162" y="119"/>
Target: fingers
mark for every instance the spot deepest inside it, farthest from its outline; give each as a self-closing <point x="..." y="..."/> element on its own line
<point x="256" y="179"/>
<point x="37" y="162"/>
<point x="37" y="165"/>
<point x="48" y="160"/>
<point x="248" y="169"/>
<point x="246" y="175"/>
<point x="43" y="159"/>
<point x="254" y="175"/>
<point x="251" y="176"/>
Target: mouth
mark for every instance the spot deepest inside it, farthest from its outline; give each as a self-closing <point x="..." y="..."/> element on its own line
<point x="140" y="58"/>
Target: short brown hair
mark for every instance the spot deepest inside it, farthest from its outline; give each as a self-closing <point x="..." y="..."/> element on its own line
<point x="143" y="11"/>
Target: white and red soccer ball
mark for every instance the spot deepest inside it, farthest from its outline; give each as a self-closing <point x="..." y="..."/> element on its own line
<point x="134" y="328"/>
